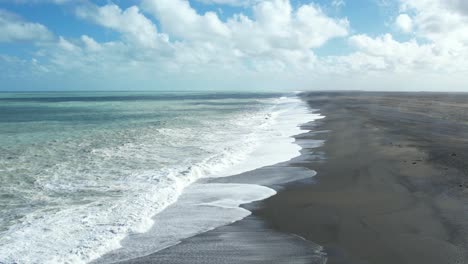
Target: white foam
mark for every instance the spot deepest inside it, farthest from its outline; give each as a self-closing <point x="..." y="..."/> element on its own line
<point x="210" y="205"/>
<point x="200" y="208"/>
<point x="275" y="144"/>
<point x="81" y="233"/>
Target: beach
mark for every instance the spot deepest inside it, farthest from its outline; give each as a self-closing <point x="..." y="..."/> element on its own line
<point x="234" y="131"/>
<point x="391" y="187"/>
<point x="317" y="177"/>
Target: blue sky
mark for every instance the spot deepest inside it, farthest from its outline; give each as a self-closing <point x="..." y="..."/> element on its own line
<point x="233" y="45"/>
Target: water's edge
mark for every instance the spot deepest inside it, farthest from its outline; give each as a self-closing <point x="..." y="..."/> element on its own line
<point x="219" y="201"/>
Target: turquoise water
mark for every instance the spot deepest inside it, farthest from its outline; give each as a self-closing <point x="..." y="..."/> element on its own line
<point x="86" y="169"/>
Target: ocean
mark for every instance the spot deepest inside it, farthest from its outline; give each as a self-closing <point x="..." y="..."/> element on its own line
<point x="80" y="172"/>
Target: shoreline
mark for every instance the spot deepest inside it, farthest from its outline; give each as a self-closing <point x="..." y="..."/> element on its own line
<point x="250" y="239"/>
<point x="391" y="189"/>
<point x="214" y="202"/>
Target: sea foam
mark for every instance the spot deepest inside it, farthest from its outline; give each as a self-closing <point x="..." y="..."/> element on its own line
<point x="84" y="232"/>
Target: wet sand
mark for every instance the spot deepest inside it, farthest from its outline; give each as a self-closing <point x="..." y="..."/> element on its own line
<point x="249" y="240"/>
<point x="394" y="186"/>
<point x="391" y="187"/>
<point x="246" y="241"/>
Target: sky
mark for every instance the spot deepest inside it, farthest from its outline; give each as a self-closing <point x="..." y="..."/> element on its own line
<point x="244" y="45"/>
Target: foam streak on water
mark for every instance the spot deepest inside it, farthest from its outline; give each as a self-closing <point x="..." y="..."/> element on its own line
<point x="85" y="173"/>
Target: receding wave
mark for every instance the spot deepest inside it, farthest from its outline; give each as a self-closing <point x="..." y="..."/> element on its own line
<point x="73" y="191"/>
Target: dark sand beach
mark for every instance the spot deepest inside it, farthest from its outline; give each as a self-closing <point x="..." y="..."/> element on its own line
<point x="394" y="186"/>
<point x="391" y="187"/>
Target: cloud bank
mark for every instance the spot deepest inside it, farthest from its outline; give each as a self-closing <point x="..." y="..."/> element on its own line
<point x="269" y="44"/>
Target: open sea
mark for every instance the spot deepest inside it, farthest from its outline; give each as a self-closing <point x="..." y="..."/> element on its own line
<point x="81" y="172"/>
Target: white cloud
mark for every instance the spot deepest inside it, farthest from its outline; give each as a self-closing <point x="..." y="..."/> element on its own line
<point x="440" y="46"/>
<point x="90" y="43"/>
<point x="404" y="23"/>
<point x="66" y="45"/>
<point x="274" y="43"/>
<point x="14" y="28"/>
<point x="274" y="25"/>
<point x="441" y="21"/>
<point x="398" y="56"/>
<point x="230" y="2"/>
<point x="180" y="20"/>
<point x="276" y="38"/>
<point x="135" y="26"/>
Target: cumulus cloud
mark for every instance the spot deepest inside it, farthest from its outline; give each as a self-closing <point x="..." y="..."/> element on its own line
<point x="271" y="40"/>
<point x="180" y="20"/>
<point x="90" y="43"/>
<point x="230" y="2"/>
<point x="282" y="26"/>
<point x="397" y="56"/>
<point x="130" y="22"/>
<point x="275" y="37"/>
<point x="443" y="22"/>
<point x="440" y="46"/>
<point x="14" y="28"/>
<point x="404" y="23"/>
<point x="274" y="25"/>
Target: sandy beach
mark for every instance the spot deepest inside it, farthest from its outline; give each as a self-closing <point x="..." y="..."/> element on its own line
<point x="234" y="131"/>
<point x="391" y="187"/>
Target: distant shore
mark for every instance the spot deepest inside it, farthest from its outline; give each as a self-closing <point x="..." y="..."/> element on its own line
<point x="391" y="187"/>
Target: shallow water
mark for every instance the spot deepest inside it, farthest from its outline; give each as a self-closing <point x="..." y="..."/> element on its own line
<point x="80" y="172"/>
